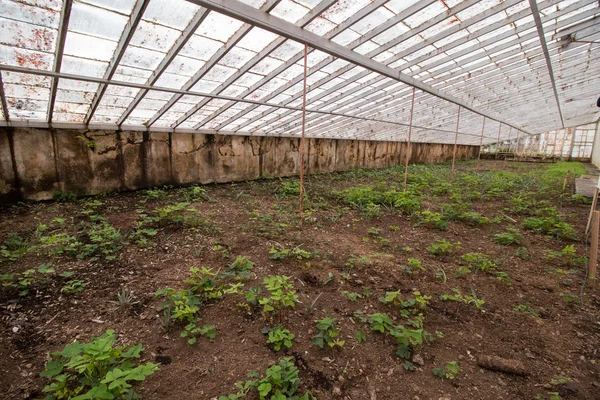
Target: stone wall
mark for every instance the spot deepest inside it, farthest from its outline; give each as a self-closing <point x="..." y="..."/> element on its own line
<point x="34" y="163"/>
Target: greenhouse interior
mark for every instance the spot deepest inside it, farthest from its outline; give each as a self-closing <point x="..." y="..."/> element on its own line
<point x="299" y="199"/>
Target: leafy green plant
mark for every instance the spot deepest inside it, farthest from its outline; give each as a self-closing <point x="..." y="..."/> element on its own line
<point x="360" y="336"/>
<point x="14" y="247"/>
<point x="192" y="331"/>
<point x="442" y="247"/>
<point x="511" y="236"/>
<point x="450" y="371"/>
<point x="414" y="266"/>
<point x="181" y="305"/>
<point x="73" y="286"/>
<point x="380" y="322"/>
<point x="279" y="337"/>
<point x="466" y="299"/>
<point x="551" y="226"/>
<point x="352" y="296"/>
<point x="64" y="197"/>
<point x="282" y="294"/>
<point x="567" y="257"/>
<point x="95" y="370"/>
<point x="280" y="254"/>
<point x="240" y="267"/>
<point x="525" y="308"/>
<point x="479" y="262"/>
<point x="432" y="219"/>
<point x="570" y="298"/>
<point x="24" y="281"/>
<point x="281" y="382"/>
<point x="195" y="193"/>
<point x="328" y="334"/>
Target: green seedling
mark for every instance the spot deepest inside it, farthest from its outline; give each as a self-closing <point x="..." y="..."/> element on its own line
<point x="279" y="337"/>
<point x="328" y="334"/>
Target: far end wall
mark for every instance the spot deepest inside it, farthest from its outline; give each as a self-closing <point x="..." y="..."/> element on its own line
<point x="34" y="163"/>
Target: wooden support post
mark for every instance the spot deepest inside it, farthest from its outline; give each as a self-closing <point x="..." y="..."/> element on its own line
<point x="480" y="143"/>
<point x="408" y="145"/>
<point x="594" y="249"/>
<point x="302" y="141"/>
<point x="592" y="209"/>
<point x="455" y="143"/>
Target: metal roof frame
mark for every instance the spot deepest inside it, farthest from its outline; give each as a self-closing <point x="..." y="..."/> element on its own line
<point x="192" y="66"/>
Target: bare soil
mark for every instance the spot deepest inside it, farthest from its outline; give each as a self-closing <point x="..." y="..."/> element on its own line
<point x="563" y="340"/>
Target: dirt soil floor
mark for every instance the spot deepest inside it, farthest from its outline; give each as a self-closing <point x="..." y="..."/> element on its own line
<point x="360" y="254"/>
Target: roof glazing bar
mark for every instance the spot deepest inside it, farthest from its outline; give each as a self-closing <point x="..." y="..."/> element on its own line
<point x="242" y="12"/>
<point x="307" y="19"/>
<point x="177" y="46"/>
<point x="130" y="28"/>
<point x="222" y="52"/>
<point x="65" y="15"/>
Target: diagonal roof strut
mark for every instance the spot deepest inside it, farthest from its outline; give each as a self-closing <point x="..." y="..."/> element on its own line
<point x="540" y="28"/>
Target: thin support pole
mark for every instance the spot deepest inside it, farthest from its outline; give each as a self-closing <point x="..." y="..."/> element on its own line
<point x="555" y="143"/>
<point x="408" y="144"/>
<point x="573" y="131"/>
<point x="509" y="146"/>
<point x="455" y="142"/>
<point x="480" y="143"/>
<point x="518" y="144"/>
<point x="302" y="140"/>
<point x="594" y="249"/>
<point x="497" y="144"/>
<point x="592" y="209"/>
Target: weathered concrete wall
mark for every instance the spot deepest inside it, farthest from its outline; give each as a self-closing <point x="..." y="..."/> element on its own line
<point x="34" y="163"/>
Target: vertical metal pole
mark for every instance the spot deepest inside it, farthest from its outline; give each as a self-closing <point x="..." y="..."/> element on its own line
<point x="509" y="145"/>
<point x="518" y="142"/>
<point x="409" y="148"/>
<point x="480" y="143"/>
<point x="498" y="143"/>
<point x="302" y="141"/>
<point x="573" y="132"/>
<point x="594" y="249"/>
<point x="455" y="142"/>
<point x="555" y="143"/>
